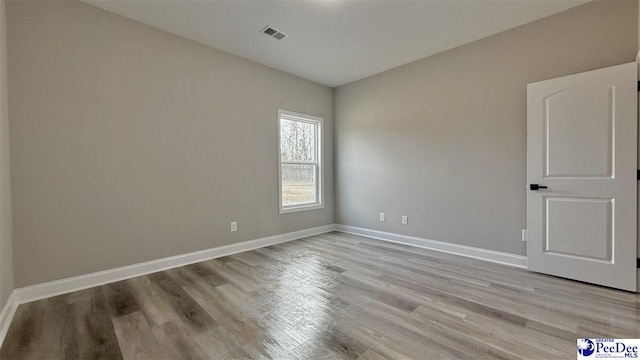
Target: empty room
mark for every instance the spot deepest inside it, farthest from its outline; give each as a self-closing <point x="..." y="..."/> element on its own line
<point x="319" y="179"/>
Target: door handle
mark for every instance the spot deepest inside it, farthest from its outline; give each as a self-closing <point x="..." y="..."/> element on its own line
<point x="535" y="187"/>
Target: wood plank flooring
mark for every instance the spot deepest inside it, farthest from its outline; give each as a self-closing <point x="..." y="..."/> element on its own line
<point x="333" y="296"/>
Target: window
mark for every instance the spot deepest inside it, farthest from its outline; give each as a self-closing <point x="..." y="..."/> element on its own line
<point x="299" y="161"/>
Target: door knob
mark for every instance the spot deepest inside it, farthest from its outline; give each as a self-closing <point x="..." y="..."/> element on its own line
<point x="536" y="187"/>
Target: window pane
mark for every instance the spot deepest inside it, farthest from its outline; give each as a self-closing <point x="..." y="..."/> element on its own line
<point x="298" y="184"/>
<point x="297" y="141"/>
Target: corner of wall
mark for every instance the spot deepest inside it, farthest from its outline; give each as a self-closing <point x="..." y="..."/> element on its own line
<point x="335" y="168"/>
<point x="6" y="249"/>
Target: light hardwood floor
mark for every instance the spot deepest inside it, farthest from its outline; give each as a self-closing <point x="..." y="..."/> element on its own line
<point x="325" y="297"/>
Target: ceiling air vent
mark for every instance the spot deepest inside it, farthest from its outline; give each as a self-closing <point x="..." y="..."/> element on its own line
<point x="273" y="32"/>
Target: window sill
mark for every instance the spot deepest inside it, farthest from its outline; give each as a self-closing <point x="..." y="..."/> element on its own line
<point x="293" y="209"/>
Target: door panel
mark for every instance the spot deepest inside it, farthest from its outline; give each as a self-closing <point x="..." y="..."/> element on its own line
<point x="578" y="128"/>
<point x="569" y="221"/>
<point x="582" y="145"/>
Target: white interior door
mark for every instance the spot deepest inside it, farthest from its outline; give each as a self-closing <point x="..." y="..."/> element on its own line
<point x="582" y="145"/>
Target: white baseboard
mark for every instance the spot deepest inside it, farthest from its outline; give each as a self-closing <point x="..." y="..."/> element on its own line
<point x="81" y="282"/>
<point x="463" y="250"/>
<point x="63" y="286"/>
<point x="6" y="315"/>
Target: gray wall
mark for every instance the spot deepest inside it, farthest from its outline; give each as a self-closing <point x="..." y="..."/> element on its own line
<point x="131" y="144"/>
<point x="6" y="254"/>
<point x="443" y="139"/>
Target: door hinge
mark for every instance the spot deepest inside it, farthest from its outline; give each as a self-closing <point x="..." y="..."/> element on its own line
<point x="639" y="85"/>
<point x="638" y="263"/>
<point x="638" y="174"/>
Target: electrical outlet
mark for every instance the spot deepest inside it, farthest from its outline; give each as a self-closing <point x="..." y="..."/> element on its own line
<point x="383" y="216"/>
<point x="405" y="220"/>
<point x="234" y="226"/>
<point x="524" y="235"/>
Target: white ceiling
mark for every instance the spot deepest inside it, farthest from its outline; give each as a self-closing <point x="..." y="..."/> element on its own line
<point x="335" y="42"/>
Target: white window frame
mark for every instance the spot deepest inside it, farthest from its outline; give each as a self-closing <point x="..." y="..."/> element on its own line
<point x="318" y="122"/>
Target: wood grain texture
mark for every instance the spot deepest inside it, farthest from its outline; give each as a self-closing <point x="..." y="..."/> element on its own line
<point x="332" y="296"/>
